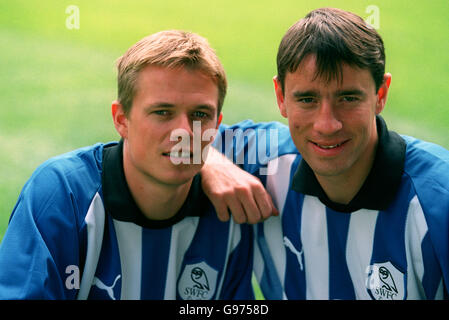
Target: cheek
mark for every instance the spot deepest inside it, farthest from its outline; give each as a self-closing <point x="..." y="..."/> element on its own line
<point x="146" y="141"/>
<point x="297" y="133"/>
<point x="299" y="116"/>
<point x="296" y="121"/>
<point x="296" y="125"/>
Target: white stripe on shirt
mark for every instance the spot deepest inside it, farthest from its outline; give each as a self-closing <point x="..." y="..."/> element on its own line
<point x="415" y="230"/>
<point x="278" y="189"/>
<point x="94" y="219"/>
<point x="359" y="248"/>
<point x="129" y="238"/>
<point x="316" y="249"/>
<point x="277" y="184"/>
<point x="181" y="237"/>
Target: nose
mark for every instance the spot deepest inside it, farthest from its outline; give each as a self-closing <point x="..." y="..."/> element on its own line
<point x="180" y="128"/>
<point x="326" y="121"/>
<point x="184" y="123"/>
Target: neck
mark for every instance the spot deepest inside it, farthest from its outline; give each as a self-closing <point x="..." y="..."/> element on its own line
<point x="156" y="200"/>
<point x="340" y="190"/>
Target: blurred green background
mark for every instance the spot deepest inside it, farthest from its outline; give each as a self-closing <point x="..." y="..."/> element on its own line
<point x="57" y="84"/>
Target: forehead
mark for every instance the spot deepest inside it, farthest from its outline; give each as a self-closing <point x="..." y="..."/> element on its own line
<point x="176" y="85"/>
<point x="308" y="75"/>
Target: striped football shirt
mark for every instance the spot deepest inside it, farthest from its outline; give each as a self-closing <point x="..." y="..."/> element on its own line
<point x="76" y="233"/>
<point x="390" y="242"/>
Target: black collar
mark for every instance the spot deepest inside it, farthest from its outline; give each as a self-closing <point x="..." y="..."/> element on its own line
<point x="381" y="185"/>
<point x="120" y="204"/>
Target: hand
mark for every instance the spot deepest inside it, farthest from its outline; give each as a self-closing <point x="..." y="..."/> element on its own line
<point x="231" y="189"/>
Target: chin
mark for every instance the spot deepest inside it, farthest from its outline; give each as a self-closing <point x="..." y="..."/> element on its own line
<point x="329" y="170"/>
<point x="179" y="177"/>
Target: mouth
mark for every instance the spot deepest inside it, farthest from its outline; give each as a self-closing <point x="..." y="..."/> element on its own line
<point x="332" y="148"/>
<point x="328" y="146"/>
<point x="178" y="155"/>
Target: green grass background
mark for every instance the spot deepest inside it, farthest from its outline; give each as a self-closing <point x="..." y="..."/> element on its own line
<point x="56" y="84"/>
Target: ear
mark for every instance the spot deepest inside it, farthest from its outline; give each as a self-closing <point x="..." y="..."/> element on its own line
<point x="382" y="93"/>
<point x="279" y="96"/>
<point x="120" y="119"/>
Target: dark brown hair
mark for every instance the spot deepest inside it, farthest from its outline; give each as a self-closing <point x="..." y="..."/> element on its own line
<point x="334" y="36"/>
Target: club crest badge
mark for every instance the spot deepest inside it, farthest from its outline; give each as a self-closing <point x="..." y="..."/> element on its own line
<point x="197" y="282"/>
<point x="385" y="282"/>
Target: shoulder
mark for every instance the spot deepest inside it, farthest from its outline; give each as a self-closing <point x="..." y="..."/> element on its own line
<point x="248" y="123"/>
<point x="247" y="127"/>
<point x="267" y="140"/>
<point x="65" y="181"/>
<point x="427" y="164"/>
<point x="427" y="168"/>
<point x="78" y="166"/>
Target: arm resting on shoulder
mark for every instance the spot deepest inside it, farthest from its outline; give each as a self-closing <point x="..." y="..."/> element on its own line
<point x="231" y="189"/>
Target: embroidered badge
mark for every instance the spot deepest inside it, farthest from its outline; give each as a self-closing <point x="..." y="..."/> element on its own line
<point x="197" y="282"/>
<point x="385" y="282"/>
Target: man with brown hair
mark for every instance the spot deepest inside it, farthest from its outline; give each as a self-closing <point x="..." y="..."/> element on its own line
<point x="364" y="211"/>
<point x="129" y="220"/>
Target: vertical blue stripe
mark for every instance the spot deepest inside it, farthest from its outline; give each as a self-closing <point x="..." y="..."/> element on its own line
<point x="109" y="266"/>
<point x="340" y="282"/>
<point x="295" y="281"/>
<point x="432" y="271"/>
<point x="155" y="253"/>
<point x="389" y="235"/>
<point x="270" y="284"/>
<point x="237" y="283"/>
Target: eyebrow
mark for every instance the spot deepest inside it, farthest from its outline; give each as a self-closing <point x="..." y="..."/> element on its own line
<point x="171" y="106"/>
<point x="159" y="105"/>
<point x="313" y="93"/>
<point x="205" y="107"/>
<point x="307" y="93"/>
<point x="350" y="92"/>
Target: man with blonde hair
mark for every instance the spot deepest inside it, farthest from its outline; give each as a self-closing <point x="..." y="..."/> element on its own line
<point x="128" y="219"/>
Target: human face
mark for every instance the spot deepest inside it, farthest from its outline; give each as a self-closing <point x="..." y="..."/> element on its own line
<point x="332" y="123"/>
<point x="166" y="99"/>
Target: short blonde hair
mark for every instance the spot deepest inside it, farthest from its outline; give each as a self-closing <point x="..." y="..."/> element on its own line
<point x="171" y="49"/>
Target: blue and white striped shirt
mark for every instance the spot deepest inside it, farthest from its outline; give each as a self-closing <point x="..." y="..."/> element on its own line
<point x="391" y="241"/>
<point x="76" y="233"/>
